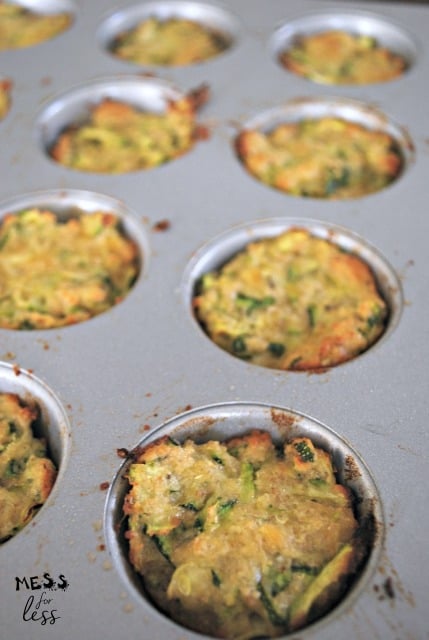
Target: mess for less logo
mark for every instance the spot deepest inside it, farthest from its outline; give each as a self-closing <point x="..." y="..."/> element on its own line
<point x="40" y="607"/>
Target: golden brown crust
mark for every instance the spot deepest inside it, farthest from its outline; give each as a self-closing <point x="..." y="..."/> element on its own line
<point x="5" y="92"/>
<point x="27" y="475"/>
<point x="20" y="27"/>
<point x="172" y="42"/>
<point x="295" y="302"/>
<point x="233" y="537"/>
<point x="339" y="57"/>
<point x="321" y="158"/>
<point x="120" y="138"/>
<point x="57" y="273"/>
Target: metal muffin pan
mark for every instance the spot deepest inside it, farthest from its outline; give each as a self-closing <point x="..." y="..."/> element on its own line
<point x="126" y="373"/>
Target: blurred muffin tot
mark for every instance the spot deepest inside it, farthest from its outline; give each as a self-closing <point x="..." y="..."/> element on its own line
<point x="21" y="27"/>
<point x="172" y="42"/>
<point x="293" y="302"/>
<point x="5" y="90"/>
<point x="120" y="138"/>
<point x="339" y="57"/>
<point x="27" y="474"/>
<point x="326" y="157"/>
<point x="55" y="273"/>
<point x="241" y="538"/>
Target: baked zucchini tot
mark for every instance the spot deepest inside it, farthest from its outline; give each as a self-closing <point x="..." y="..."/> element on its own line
<point x="339" y="57"/>
<point x="55" y="273"/>
<point x="27" y="474"/>
<point x="120" y="138"/>
<point x="5" y="89"/>
<point x="241" y="538"/>
<point x="295" y="301"/>
<point x="173" y="42"/>
<point x="20" y="27"/>
<point x="321" y="158"/>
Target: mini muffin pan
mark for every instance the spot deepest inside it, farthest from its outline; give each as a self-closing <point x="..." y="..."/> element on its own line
<point x="145" y="368"/>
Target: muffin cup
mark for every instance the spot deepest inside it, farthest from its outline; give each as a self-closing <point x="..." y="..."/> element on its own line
<point x="346" y="109"/>
<point x="52" y="424"/>
<point x="215" y="19"/>
<point x="226" y="420"/>
<point x="213" y="254"/>
<point x="387" y="33"/>
<point x="69" y="203"/>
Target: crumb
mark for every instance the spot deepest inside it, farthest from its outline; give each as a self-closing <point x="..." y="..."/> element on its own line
<point x="162" y="225"/>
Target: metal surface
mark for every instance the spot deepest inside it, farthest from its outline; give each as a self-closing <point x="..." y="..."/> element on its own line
<point x="119" y="376"/>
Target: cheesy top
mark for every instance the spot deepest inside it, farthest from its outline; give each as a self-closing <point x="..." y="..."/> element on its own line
<point x="56" y="273"/>
<point x="295" y="301"/>
<point x="338" y="57"/>
<point x="20" y="27"/>
<point x="26" y="473"/>
<point x="119" y="138"/>
<point x="240" y="539"/>
<point x="5" y="87"/>
<point x="171" y="42"/>
<point x="321" y="158"/>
